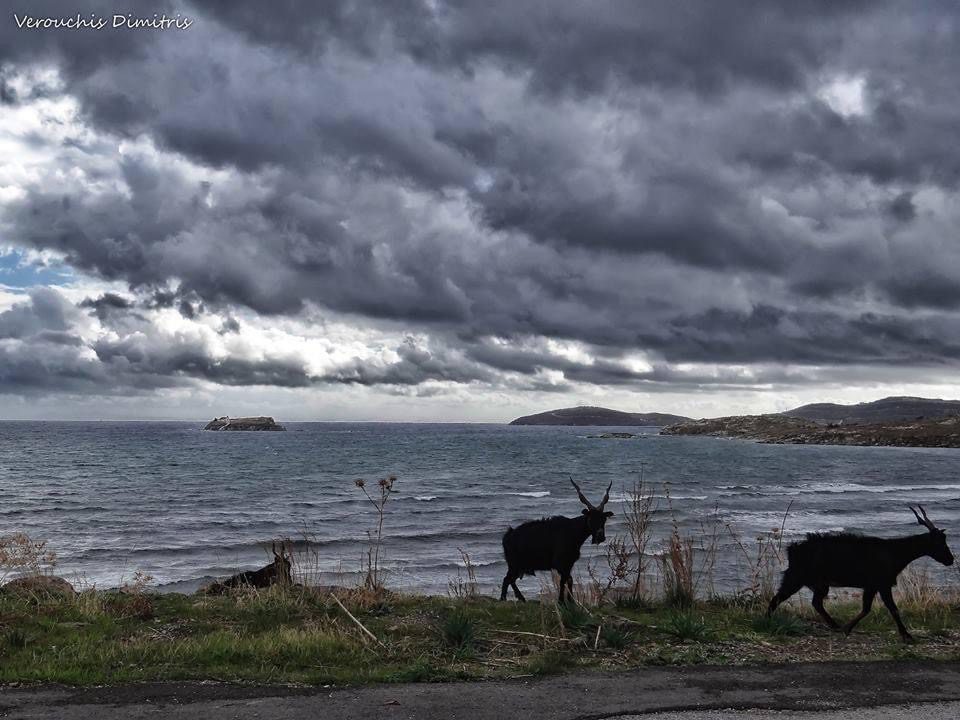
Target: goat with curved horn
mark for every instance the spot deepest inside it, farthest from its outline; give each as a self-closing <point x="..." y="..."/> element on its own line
<point x="552" y="544"/>
<point x="830" y="560"/>
<point x="925" y="521"/>
<point x="606" y="496"/>
<point x="580" y="495"/>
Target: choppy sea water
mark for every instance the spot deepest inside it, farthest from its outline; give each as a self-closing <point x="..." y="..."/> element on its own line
<point x="183" y="505"/>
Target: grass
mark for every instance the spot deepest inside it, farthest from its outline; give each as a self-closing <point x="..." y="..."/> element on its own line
<point x="686" y="626"/>
<point x="303" y="636"/>
<point x="459" y="631"/>
<point x="780" y="625"/>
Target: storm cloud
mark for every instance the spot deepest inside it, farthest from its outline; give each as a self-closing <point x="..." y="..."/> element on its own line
<point x="665" y="197"/>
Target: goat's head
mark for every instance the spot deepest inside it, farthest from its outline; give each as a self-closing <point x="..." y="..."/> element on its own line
<point x="281" y="564"/>
<point x="595" y="514"/>
<point x="938" y="538"/>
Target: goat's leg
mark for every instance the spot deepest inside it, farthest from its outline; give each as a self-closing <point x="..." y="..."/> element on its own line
<point x="507" y="579"/>
<point x="868" y="595"/>
<point x="819" y="593"/>
<point x="886" y="594"/>
<point x="565" y="582"/>
<point x="788" y="588"/>
<point x="516" y="591"/>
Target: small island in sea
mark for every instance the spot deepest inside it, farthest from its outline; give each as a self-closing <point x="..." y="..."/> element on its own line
<point x="244" y="423"/>
<point x="893" y="421"/>
<point x="599" y="416"/>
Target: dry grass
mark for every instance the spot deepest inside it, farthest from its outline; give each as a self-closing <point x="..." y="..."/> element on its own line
<point x="684" y="578"/>
<point x="20" y="555"/>
<point x="760" y="564"/>
<point x="465" y="584"/>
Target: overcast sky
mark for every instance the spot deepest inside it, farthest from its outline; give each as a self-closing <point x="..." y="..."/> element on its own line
<point x="432" y="210"/>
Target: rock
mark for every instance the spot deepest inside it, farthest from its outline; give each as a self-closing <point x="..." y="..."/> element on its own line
<point x="39" y="585"/>
<point x="244" y="423"/>
<point x="613" y="435"/>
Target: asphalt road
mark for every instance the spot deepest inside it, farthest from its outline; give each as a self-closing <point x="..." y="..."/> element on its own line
<point x="919" y="711"/>
<point x="697" y="693"/>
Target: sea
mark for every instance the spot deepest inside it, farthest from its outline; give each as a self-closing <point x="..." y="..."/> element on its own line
<point x="183" y="506"/>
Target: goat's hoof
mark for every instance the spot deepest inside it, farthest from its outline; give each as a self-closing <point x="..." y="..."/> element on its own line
<point x="907" y="638"/>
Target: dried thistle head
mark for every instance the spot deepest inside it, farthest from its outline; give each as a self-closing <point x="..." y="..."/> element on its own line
<point x="387" y="483"/>
<point x="360" y="483"/>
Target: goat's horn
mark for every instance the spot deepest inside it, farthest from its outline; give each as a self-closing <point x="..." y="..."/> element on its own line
<point x="606" y="496"/>
<point x="580" y="495"/>
<point x="925" y="521"/>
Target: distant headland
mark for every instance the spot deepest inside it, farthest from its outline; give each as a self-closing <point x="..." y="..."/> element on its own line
<point x="600" y="417"/>
<point x="893" y="421"/>
<point x="244" y="423"/>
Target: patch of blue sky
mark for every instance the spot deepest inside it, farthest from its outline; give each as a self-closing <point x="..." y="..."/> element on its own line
<point x="18" y="271"/>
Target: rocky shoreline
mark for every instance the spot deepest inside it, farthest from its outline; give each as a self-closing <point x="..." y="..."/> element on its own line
<point x="779" y="429"/>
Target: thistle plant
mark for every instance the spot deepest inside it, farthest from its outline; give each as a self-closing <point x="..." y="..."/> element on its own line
<point x="373" y="580"/>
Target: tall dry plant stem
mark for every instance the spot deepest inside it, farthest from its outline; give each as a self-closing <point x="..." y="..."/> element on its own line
<point x="638" y="510"/>
<point x="373" y="580"/>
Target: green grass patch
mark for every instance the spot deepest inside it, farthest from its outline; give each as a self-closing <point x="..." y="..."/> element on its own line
<point x="687" y="626"/>
<point x="780" y="625"/>
<point x="303" y="636"/>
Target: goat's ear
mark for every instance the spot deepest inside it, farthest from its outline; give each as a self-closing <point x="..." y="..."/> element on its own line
<point x="584" y="512"/>
<point x="608" y="514"/>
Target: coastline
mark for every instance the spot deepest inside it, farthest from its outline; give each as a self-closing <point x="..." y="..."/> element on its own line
<point x="784" y="430"/>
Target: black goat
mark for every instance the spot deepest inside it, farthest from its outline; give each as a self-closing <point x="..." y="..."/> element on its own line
<point x="276" y="573"/>
<point x="552" y="544"/>
<point x="823" y="561"/>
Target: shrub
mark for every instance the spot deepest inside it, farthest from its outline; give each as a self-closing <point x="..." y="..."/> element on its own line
<point x="22" y="555"/>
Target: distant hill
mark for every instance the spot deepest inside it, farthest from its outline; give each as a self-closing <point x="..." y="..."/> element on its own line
<point x="783" y="429"/>
<point x="890" y="409"/>
<point x="598" y="416"/>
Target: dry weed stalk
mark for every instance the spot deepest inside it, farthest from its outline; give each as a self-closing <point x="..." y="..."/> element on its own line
<point x="617" y="557"/>
<point x="638" y="510"/>
<point x="464" y="588"/>
<point x="373" y="579"/>
<point x="763" y="563"/>
<point x="682" y="578"/>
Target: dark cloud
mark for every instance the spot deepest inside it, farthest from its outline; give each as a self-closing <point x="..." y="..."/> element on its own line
<point x="106" y="304"/>
<point x="738" y="184"/>
<point x="46" y="310"/>
<point x="902" y="208"/>
<point x="230" y="325"/>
